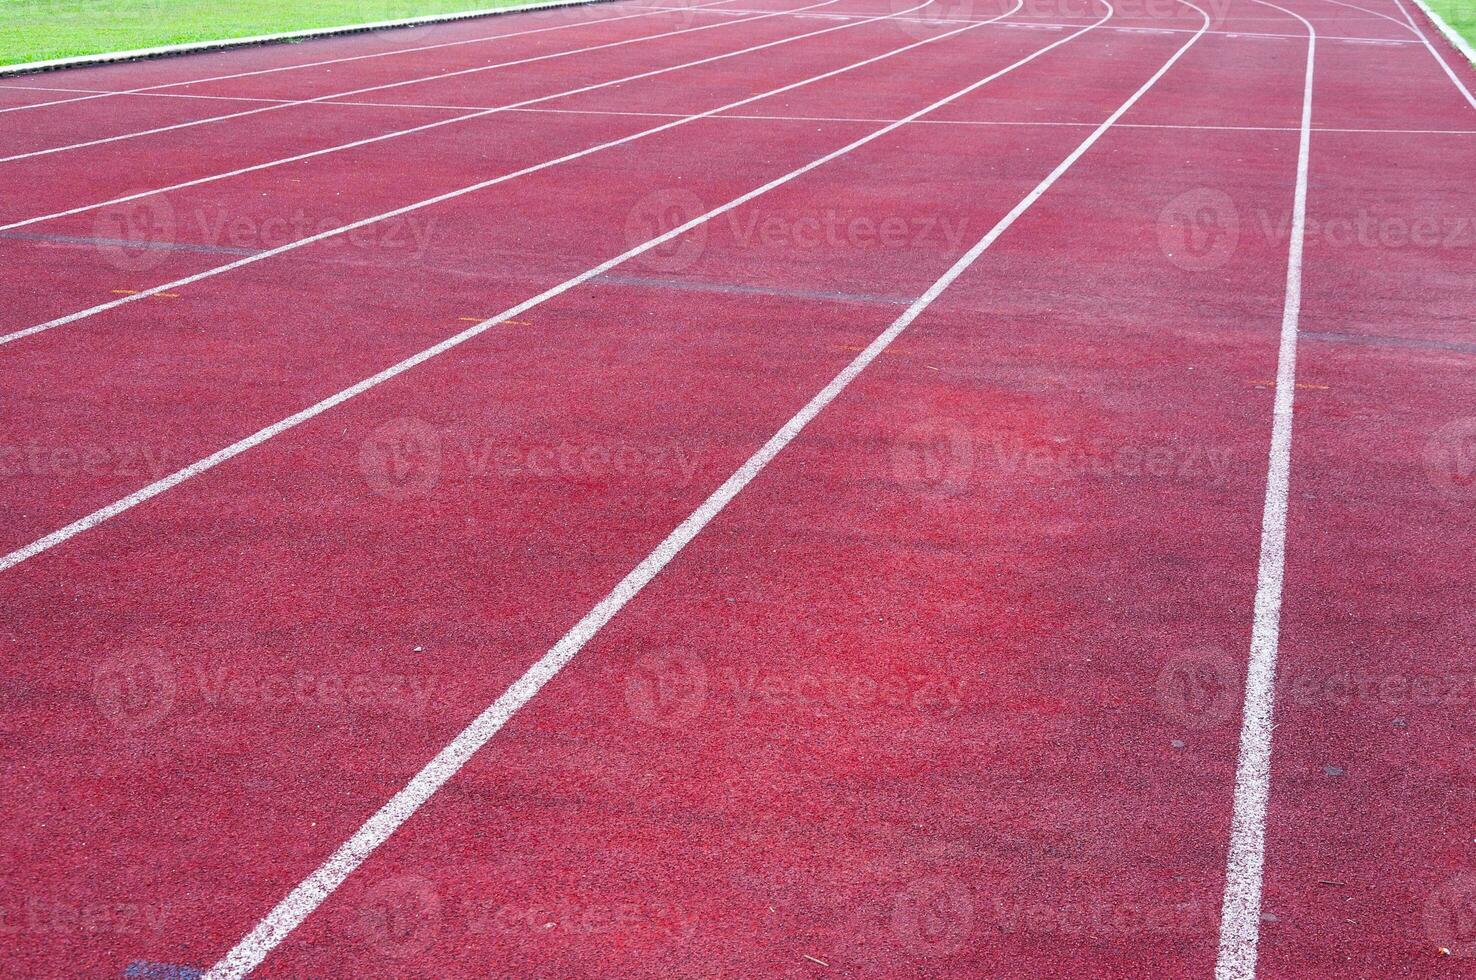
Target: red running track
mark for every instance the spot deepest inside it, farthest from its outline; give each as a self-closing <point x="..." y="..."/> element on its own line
<point x="952" y="687"/>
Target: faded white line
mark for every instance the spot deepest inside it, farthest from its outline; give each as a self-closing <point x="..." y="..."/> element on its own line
<point x="1444" y="65"/>
<point x="423" y="127"/>
<point x="1240" y="914"/>
<point x="1451" y="34"/>
<point x="310" y="893"/>
<point x="1124" y="29"/>
<point x="780" y="117"/>
<point x="1409" y="26"/>
<point x="566" y="53"/>
<point x="1023" y="123"/>
<point x="654" y="12"/>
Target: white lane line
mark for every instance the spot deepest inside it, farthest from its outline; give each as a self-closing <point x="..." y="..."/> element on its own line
<point x="831" y="119"/>
<point x="1130" y="30"/>
<point x="423" y="127"/>
<point x="655" y="12"/>
<point x="312" y="891"/>
<point x="1372" y="13"/>
<point x="1451" y="34"/>
<point x="112" y="510"/>
<point x="1408" y="24"/>
<point x="1240" y="913"/>
<point x="767" y="117"/>
<point x="566" y="53"/>
<point x="1445" y="65"/>
<point x="481" y="185"/>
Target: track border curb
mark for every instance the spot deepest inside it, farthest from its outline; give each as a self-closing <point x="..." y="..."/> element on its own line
<point x="1451" y="34"/>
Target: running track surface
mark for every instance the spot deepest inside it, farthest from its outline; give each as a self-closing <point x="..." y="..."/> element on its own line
<point x="953" y="686"/>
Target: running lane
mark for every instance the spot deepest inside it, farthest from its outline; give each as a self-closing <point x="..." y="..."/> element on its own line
<point x="403" y="588"/>
<point x="1370" y="858"/>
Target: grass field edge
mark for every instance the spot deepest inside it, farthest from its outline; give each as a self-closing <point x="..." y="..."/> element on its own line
<point x="220" y="44"/>
<point x="1452" y="35"/>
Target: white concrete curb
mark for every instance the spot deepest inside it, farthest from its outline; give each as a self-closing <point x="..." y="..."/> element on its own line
<point x="241" y="42"/>
<point x="1451" y="35"/>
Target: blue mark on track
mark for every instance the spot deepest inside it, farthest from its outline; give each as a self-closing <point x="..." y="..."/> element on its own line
<point x="142" y="970"/>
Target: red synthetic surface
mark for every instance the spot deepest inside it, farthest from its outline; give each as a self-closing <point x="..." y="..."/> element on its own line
<point x="952" y="689"/>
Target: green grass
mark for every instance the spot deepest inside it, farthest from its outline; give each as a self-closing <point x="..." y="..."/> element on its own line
<point x="1460" y="14"/>
<point x="38" y="30"/>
